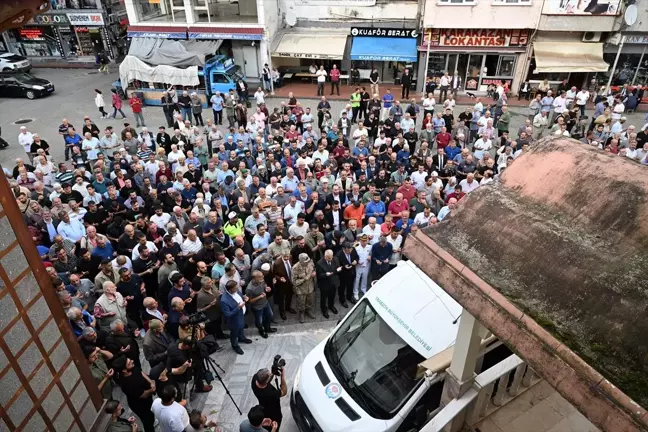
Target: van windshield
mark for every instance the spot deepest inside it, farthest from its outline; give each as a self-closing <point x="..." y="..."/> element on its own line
<point x="373" y="364"/>
<point x="235" y="73"/>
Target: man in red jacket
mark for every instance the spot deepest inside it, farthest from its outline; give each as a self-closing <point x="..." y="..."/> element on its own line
<point x="335" y="79"/>
<point x="136" y="106"/>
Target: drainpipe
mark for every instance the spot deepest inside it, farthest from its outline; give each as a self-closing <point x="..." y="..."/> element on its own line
<point x="616" y="60"/>
<point x="634" y="78"/>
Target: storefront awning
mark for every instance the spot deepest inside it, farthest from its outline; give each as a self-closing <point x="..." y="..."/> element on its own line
<point x="560" y="56"/>
<point x="384" y="49"/>
<point x="295" y="45"/>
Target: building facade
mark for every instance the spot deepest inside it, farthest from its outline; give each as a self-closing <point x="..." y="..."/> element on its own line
<point x="569" y="43"/>
<point x="481" y="41"/>
<point x="632" y="66"/>
<point x="239" y="25"/>
<point x="71" y="31"/>
<point x="364" y="34"/>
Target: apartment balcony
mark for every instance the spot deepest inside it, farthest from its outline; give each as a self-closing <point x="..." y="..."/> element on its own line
<point x="197" y="11"/>
<point x="509" y="397"/>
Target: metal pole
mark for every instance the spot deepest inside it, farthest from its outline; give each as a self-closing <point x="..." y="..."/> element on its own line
<point x="634" y="78"/>
<point x="616" y="60"/>
<point x="272" y="92"/>
<point x="427" y="59"/>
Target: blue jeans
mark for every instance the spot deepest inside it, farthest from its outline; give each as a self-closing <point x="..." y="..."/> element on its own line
<point x="262" y="317"/>
<point x="186" y="114"/>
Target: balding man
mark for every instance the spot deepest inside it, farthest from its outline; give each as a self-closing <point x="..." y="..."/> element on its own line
<point x="469" y="184"/>
<point x="156" y="343"/>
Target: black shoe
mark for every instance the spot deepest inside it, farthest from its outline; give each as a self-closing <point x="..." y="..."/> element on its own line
<point x="325" y="314"/>
<point x="291" y="310"/>
<point x="353" y="301"/>
<point x="271" y="329"/>
<point x="273" y="321"/>
<point x="263" y="334"/>
<point x="222" y="336"/>
<point x="245" y="341"/>
<point x="335" y="311"/>
<point x="238" y="350"/>
<point x="283" y="316"/>
<point x="345" y="305"/>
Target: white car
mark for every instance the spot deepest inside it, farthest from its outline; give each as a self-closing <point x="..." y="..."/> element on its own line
<point x="13" y="62"/>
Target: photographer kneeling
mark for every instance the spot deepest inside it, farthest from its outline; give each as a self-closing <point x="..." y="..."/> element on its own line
<point x="268" y="395"/>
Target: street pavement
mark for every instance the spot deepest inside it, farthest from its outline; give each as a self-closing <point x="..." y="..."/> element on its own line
<point x="74" y="99"/>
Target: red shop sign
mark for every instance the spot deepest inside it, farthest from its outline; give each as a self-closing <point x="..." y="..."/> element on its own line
<point x="476" y="37"/>
<point x="31" y="33"/>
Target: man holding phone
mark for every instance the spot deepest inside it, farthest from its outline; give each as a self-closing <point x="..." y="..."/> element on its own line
<point x="185" y="364"/>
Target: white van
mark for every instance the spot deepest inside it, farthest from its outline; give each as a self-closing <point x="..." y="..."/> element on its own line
<point x="368" y="374"/>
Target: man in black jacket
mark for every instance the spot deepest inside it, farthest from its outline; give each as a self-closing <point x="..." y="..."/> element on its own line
<point x="347" y="258"/>
<point x="406" y="81"/>
<point x="168" y="106"/>
<point x="327" y="270"/>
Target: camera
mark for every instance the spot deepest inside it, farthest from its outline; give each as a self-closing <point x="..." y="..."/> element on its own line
<point x="197" y="318"/>
<point x="277" y="365"/>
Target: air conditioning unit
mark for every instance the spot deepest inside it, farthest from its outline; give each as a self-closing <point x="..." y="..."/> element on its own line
<point x="592" y="37"/>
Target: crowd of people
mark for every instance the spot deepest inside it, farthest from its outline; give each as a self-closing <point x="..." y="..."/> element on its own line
<point x="139" y="231"/>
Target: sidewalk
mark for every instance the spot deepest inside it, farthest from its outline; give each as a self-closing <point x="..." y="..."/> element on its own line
<point x="307" y="90"/>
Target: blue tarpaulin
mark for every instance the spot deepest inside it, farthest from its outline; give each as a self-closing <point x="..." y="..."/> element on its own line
<point x="384" y="49"/>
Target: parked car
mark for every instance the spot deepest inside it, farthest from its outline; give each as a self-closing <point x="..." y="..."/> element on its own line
<point x="24" y="85"/>
<point x="14" y="62"/>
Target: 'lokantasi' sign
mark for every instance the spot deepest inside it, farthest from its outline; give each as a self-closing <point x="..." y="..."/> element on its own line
<point x="476" y="37"/>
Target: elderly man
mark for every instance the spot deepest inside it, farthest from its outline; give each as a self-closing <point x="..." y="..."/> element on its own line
<point x="303" y="274"/>
<point x="328" y="269"/>
<point x="156" y="343"/>
<point x="111" y="306"/>
<point x="121" y="342"/>
<point x="71" y="229"/>
<point x="208" y="301"/>
<point x="80" y="320"/>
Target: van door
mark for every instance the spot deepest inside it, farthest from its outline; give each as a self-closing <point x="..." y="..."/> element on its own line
<point x="220" y="82"/>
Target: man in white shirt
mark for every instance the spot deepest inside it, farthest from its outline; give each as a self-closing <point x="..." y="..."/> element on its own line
<point x="321" y="153"/>
<point x="359" y="133"/>
<point x="571" y="95"/>
<point x="406" y="122"/>
<point x="26" y="139"/>
<point x="469" y="184"/>
<point x="372" y="229"/>
<point x="560" y="106"/>
<point x="418" y="177"/>
<point x="444" y="84"/>
<point x="160" y="218"/>
<point x="321" y="80"/>
<point x="192" y="244"/>
<point x="618" y="110"/>
<point x="581" y="100"/>
<point x="171" y="416"/>
<point x="71" y="229"/>
<point x="362" y="269"/>
<point x="292" y="210"/>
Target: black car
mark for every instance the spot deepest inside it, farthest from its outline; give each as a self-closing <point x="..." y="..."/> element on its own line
<point x="24" y="85"/>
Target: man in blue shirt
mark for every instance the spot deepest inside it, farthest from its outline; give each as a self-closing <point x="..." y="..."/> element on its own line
<point x="547" y="102"/>
<point x="387" y="99"/>
<point x="217" y="107"/>
<point x="380" y="254"/>
<point x="376" y="208"/>
<point x="71" y="139"/>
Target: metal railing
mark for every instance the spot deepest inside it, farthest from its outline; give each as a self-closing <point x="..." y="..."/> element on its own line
<point x="491" y="389"/>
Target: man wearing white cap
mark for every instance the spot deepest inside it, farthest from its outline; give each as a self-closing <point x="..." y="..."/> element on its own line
<point x="26" y="139"/>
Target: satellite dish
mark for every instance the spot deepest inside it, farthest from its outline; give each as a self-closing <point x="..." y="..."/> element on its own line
<point x="291" y="18"/>
<point x="630" y="15"/>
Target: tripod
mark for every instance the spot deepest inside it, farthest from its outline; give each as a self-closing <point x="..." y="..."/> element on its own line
<point x="206" y="365"/>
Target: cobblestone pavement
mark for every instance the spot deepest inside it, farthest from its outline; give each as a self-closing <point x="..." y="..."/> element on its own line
<point x="74" y="98"/>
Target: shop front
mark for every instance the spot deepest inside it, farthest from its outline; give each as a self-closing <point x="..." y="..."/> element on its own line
<point x="632" y="67"/>
<point x="480" y="57"/>
<point x="72" y="35"/>
<point x="390" y="50"/>
<point x="558" y="57"/>
<point x="296" y="52"/>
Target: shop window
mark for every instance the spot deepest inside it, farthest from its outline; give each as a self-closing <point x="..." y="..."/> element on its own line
<point x="625" y="70"/>
<point x="160" y="10"/>
<point x="243" y="11"/>
<point x="506" y="65"/>
<point x="35" y="42"/>
<point x="457" y="1"/>
<point x="436" y="65"/>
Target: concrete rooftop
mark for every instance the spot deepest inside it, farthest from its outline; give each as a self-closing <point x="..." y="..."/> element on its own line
<point x="563" y="237"/>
